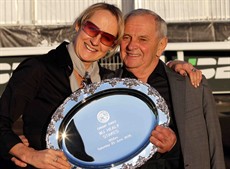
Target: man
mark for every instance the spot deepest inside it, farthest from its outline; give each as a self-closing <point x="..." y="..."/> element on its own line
<point x="192" y="110"/>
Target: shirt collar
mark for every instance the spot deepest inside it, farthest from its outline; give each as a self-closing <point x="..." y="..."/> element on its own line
<point x="158" y="71"/>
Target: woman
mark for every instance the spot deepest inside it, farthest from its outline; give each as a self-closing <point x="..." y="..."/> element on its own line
<point x="40" y="84"/>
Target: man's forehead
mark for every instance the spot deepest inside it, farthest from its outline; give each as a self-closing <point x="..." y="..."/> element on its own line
<point x="140" y="21"/>
<point x="139" y="28"/>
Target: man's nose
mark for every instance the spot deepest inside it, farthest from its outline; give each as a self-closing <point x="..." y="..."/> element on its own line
<point x="132" y="44"/>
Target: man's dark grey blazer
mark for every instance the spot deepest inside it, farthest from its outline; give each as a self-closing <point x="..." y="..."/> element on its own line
<point x="197" y="123"/>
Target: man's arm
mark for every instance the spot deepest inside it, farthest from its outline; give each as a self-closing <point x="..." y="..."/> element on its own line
<point x="213" y="127"/>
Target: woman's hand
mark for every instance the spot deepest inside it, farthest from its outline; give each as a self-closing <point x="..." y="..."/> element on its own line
<point x="17" y="161"/>
<point x="47" y="158"/>
<point x="185" y="68"/>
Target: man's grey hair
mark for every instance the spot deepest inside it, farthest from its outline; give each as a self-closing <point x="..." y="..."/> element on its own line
<point x="161" y="25"/>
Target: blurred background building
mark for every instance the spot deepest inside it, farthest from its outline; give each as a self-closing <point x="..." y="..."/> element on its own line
<point x="198" y="31"/>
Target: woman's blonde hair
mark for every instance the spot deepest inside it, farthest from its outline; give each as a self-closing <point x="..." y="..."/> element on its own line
<point x="87" y="13"/>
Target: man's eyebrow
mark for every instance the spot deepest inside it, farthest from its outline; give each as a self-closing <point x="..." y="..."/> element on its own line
<point x="126" y="34"/>
<point x="144" y="36"/>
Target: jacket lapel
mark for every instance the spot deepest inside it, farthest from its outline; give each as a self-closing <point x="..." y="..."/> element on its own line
<point x="178" y="90"/>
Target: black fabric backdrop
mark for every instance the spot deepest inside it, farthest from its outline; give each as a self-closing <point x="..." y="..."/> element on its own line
<point x="24" y="36"/>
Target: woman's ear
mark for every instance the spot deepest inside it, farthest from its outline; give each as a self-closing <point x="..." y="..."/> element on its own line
<point x="162" y="45"/>
<point x="77" y="28"/>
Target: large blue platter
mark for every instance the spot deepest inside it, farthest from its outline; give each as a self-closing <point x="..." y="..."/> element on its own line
<point x="108" y="124"/>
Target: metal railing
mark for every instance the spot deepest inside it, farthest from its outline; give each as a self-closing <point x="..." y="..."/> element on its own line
<point x="44" y="12"/>
<point x="188" y="10"/>
<point x="63" y="12"/>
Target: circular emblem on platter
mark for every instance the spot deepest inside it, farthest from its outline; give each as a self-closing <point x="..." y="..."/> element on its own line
<point x="103" y="116"/>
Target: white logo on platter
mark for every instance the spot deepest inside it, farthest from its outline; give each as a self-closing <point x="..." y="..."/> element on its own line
<point x="103" y="116"/>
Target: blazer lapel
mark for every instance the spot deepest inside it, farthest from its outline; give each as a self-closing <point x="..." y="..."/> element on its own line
<point x="178" y="90"/>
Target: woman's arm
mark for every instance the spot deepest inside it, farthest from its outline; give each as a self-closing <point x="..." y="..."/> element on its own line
<point x="186" y="69"/>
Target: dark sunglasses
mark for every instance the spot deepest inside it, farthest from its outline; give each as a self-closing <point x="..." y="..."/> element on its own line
<point x="92" y="30"/>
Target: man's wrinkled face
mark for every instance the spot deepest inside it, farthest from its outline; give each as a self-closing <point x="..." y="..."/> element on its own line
<point x="140" y="44"/>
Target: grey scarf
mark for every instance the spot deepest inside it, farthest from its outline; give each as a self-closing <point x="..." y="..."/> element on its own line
<point x="78" y="65"/>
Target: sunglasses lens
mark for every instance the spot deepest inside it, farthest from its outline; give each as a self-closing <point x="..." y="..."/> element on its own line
<point x="107" y="39"/>
<point x="92" y="30"/>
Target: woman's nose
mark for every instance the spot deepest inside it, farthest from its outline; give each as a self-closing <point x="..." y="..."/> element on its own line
<point x="96" y="40"/>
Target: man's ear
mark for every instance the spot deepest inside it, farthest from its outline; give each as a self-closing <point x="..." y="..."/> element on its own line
<point x="162" y="45"/>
